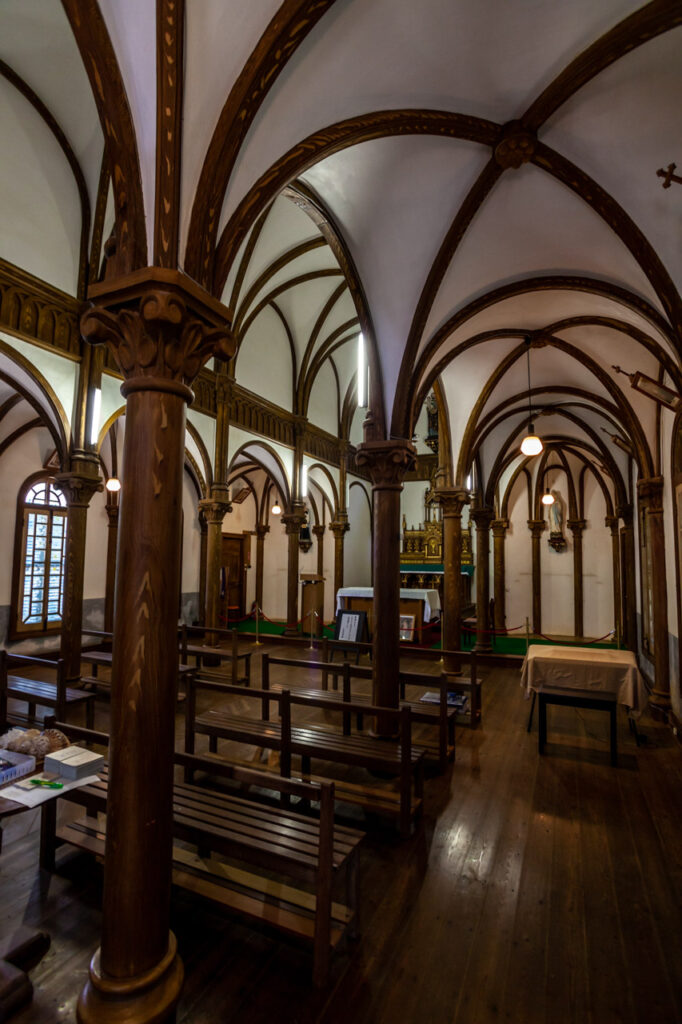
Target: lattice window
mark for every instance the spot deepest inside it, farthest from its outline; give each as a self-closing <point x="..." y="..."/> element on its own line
<point x="42" y="558"/>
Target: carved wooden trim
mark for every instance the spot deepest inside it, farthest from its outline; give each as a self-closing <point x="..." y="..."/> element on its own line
<point x="102" y="68"/>
<point x="170" y="39"/>
<point x="37" y="311"/>
<point x="286" y="31"/>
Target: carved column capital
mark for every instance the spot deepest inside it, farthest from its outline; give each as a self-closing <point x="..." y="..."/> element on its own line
<point x="612" y="522"/>
<point x="650" y="490"/>
<point x="499" y="527"/>
<point x="214" y="510"/>
<point x="78" y="488"/>
<point x="339" y="526"/>
<point x="576" y="525"/>
<point x="160" y="327"/>
<point x="319" y="531"/>
<point x="624" y="512"/>
<point x="452" y="500"/>
<point x="294" y="519"/>
<point x="262" y="530"/>
<point x="387" y="462"/>
<point x="537" y="527"/>
<point x="483" y="517"/>
<point x="112" y="513"/>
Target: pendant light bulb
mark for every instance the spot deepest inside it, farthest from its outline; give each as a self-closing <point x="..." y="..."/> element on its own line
<point x="547" y="497"/>
<point x="531" y="444"/>
<point x="276" y="509"/>
<point x="113" y="484"/>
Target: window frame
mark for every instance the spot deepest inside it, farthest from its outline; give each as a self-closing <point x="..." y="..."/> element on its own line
<point x="16" y="631"/>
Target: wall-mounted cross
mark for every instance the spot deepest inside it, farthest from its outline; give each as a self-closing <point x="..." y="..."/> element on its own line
<point x="669" y="176"/>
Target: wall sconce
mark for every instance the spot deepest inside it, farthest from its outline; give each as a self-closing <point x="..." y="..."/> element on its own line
<point x="652" y="389"/>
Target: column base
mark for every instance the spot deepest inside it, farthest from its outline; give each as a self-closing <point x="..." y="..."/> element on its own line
<point x="292" y="631"/>
<point x="484" y="647"/>
<point x="659" y="705"/>
<point x="149" y="998"/>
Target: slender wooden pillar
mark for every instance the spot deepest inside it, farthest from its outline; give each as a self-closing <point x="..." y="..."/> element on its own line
<point x="319" y="532"/>
<point x="293" y="521"/>
<point x="261" y="531"/>
<point x="576" y="526"/>
<point x="112" y="542"/>
<point x="628" y="587"/>
<point x="203" y="554"/>
<point x="214" y="509"/>
<point x="612" y="523"/>
<point x="483" y="517"/>
<point x="536" y="527"/>
<point x="339" y="527"/>
<point x="161" y="328"/>
<point x="499" y="527"/>
<point x="650" y="491"/>
<point x="452" y="500"/>
<point x="387" y="463"/>
<point x="78" y="487"/>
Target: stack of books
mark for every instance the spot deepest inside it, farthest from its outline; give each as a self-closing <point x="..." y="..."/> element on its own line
<point x="455" y="700"/>
<point x="13" y="766"/>
<point x="74" y="763"/>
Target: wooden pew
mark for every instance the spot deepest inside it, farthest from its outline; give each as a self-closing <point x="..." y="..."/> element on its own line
<point x="397" y="758"/>
<point x="319" y="856"/>
<point x="442" y="716"/>
<point x="233" y="655"/>
<point x="38" y="692"/>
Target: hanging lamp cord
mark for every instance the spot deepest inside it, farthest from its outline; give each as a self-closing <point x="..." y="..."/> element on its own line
<point x="530" y="412"/>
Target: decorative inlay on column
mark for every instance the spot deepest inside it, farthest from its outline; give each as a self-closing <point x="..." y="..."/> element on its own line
<point x="112" y="542"/>
<point x="161" y="328"/>
<point x="387" y="463"/>
<point x="78" y="487"/>
<point x="452" y="501"/>
<point x="499" y="528"/>
<point x="650" y="493"/>
<point x="170" y="32"/>
<point x="536" y="527"/>
<point x="576" y="526"/>
<point x="483" y="517"/>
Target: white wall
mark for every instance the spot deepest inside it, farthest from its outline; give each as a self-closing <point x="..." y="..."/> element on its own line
<point x="518" y="574"/>
<point x="357" y="554"/>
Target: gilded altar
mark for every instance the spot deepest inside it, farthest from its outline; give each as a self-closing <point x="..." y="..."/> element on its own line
<point x="421" y="557"/>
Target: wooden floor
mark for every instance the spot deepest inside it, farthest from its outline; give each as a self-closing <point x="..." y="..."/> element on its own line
<point x="540" y="889"/>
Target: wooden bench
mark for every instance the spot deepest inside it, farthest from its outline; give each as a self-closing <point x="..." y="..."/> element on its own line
<point x="249" y="837"/>
<point x="578" y="699"/>
<point x="440" y="715"/>
<point x="38" y="692"/>
<point x="399" y="759"/>
<point x="200" y="651"/>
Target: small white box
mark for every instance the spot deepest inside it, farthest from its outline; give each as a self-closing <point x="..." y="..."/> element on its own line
<point x="74" y="762"/>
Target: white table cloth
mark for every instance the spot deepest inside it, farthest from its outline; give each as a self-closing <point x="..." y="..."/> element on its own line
<point x="430" y="598"/>
<point x="588" y="669"/>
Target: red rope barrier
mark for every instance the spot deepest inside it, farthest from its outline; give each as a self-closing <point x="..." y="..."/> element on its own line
<point x="586" y="643"/>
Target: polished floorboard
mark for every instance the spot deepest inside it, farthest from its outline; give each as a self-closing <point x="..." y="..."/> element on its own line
<point x="538" y="889"/>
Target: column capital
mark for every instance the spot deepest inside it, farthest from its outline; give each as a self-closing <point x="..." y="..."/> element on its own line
<point x="576" y="525"/>
<point x="537" y="527"/>
<point x="319" y="530"/>
<point x="499" y="527"/>
<point x="262" y="529"/>
<point x="624" y="512"/>
<point x="214" y="510"/>
<point x="160" y="326"/>
<point x="78" y="487"/>
<point x="339" y="526"/>
<point x="452" y="500"/>
<point x="483" y="517"/>
<point x="112" y="513"/>
<point x="387" y="462"/>
<point x="650" y="489"/>
<point x="612" y="522"/>
<point x="294" y="519"/>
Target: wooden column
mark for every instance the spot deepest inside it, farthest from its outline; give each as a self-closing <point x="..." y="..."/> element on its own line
<point x="499" y="527"/>
<point x="452" y="500"/>
<point x="651" y="492"/>
<point x="483" y="517"/>
<point x="576" y="526"/>
<point x="293" y="521"/>
<point x="78" y="487"/>
<point x="214" y="509"/>
<point x="261" y="531"/>
<point x="203" y="554"/>
<point x="319" y="532"/>
<point x="339" y="527"/>
<point x="612" y="523"/>
<point x="112" y="542"/>
<point x="387" y="463"/>
<point x="161" y="328"/>
<point x="536" y="527"/>
<point x="628" y="586"/>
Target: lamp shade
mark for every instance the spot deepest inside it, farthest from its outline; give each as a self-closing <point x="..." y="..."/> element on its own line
<point x="547" y="498"/>
<point x="531" y="444"/>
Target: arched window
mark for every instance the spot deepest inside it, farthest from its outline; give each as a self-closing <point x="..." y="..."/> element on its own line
<point x="39" y="558"/>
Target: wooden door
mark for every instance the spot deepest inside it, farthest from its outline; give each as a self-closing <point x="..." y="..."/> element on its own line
<point x="232" y="579"/>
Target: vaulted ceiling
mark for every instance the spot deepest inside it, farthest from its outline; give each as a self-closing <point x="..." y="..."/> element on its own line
<point x="469" y="173"/>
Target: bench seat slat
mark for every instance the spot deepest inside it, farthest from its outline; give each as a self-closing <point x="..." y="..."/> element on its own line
<point x="35" y="689"/>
